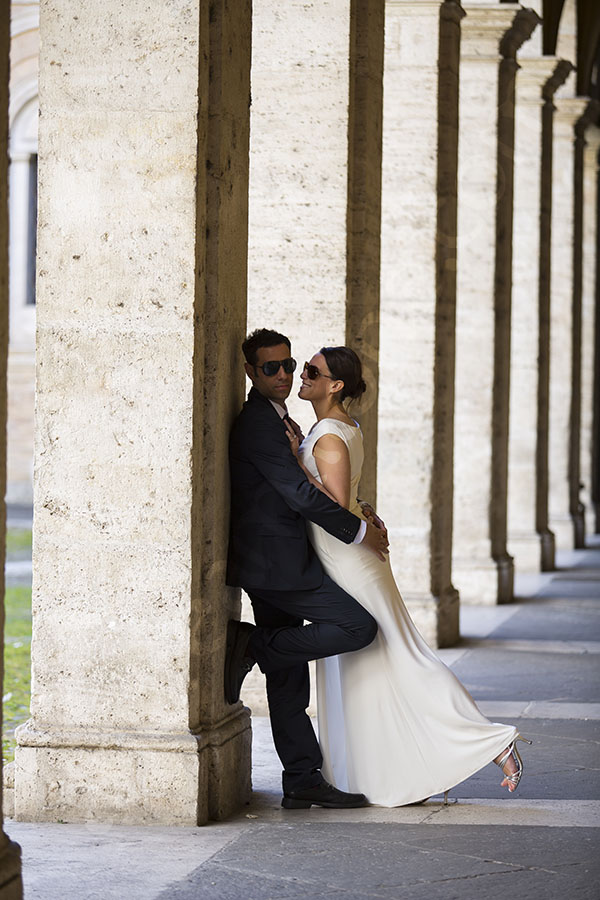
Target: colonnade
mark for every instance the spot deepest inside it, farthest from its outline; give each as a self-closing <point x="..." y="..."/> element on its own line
<point x="177" y="209"/>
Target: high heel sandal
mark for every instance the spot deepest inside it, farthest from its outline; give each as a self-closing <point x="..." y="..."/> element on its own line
<point x="514" y="777"/>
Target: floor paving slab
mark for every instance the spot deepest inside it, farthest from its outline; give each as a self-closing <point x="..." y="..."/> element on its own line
<point x="397" y="862"/>
<point x="506" y="675"/>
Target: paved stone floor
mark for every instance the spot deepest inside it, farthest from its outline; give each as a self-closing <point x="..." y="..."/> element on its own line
<point x="535" y="663"/>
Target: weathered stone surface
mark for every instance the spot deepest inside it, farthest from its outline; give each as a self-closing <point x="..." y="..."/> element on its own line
<point x="417" y="306"/>
<point x="314" y="217"/>
<point x="298" y="197"/>
<point x="590" y="455"/>
<point x="524" y="542"/>
<point x="142" y="236"/>
<point x="565" y="514"/>
<point x="491" y="35"/>
<point x="11" y="886"/>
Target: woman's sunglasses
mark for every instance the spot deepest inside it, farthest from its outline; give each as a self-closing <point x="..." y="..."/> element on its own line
<point x="272" y="366"/>
<point x="313" y="373"/>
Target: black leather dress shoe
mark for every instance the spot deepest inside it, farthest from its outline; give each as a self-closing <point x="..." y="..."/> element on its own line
<point x="323" y="794"/>
<point x="238" y="661"/>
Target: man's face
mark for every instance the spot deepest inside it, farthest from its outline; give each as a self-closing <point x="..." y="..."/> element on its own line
<point x="275" y="387"/>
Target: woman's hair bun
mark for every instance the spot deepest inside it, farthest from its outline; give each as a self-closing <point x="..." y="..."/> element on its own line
<point x="360" y="389"/>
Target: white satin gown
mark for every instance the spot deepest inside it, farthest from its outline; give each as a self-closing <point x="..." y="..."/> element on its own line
<point x="394" y="722"/>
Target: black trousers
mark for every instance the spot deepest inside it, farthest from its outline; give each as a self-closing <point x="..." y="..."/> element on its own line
<point x="283" y="646"/>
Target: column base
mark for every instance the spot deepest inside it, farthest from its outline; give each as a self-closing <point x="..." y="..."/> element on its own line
<point x="486" y="583"/>
<point x="564" y="532"/>
<point x="11" y="884"/>
<point x="526" y="549"/>
<point x="436" y="617"/>
<point x="579" y="527"/>
<point x="548" y="551"/>
<point x="590" y="519"/>
<point x="133" y="778"/>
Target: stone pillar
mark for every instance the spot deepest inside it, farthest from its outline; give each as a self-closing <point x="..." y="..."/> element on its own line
<point x="363" y="224"/>
<point x="562" y="72"/>
<point x="418" y="306"/>
<point x="589" y="296"/>
<point x="315" y="185"/>
<point x="564" y="507"/>
<point x="141" y="309"/>
<point x="483" y="569"/>
<point x="530" y="548"/>
<point x="11" y="887"/>
<point x="317" y="76"/>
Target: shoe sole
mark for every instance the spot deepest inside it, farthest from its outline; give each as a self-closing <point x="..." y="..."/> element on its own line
<point x="289" y="803"/>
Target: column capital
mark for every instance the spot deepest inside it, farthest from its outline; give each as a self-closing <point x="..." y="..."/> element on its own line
<point x="534" y="74"/>
<point x="571" y="112"/>
<point x="563" y="69"/>
<point x="495" y="31"/>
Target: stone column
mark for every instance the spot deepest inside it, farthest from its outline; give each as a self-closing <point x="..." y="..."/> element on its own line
<point x="483" y="569"/>
<point x="11" y="886"/>
<point x="562" y="72"/>
<point x="564" y="507"/>
<point x="418" y="306"/>
<point x="315" y="196"/>
<point x="363" y="217"/>
<point x="589" y="295"/>
<point x="141" y="308"/>
<point x="315" y="185"/>
<point x="536" y="79"/>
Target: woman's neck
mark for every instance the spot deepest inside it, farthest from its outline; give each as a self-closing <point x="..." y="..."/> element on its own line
<point x="324" y="410"/>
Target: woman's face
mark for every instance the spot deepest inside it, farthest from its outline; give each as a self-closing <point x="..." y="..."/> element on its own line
<point x="321" y="386"/>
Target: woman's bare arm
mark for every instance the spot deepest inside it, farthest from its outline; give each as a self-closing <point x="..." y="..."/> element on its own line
<point x="333" y="462"/>
<point x="327" y="457"/>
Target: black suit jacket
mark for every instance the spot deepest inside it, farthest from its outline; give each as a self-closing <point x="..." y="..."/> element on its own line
<point x="270" y="500"/>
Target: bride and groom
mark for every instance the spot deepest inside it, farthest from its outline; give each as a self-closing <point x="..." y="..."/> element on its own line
<point x="395" y="725"/>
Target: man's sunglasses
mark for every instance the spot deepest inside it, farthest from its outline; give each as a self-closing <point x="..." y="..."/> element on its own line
<point x="272" y="366"/>
<point x="313" y="373"/>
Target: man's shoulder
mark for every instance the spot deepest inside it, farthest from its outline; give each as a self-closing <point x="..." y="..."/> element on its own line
<point x="256" y="414"/>
<point x="257" y="408"/>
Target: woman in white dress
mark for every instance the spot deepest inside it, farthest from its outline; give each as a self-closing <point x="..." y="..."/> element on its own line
<point x="394" y="722"/>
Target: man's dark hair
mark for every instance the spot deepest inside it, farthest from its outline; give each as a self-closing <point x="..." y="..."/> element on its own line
<point x="262" y="337"/>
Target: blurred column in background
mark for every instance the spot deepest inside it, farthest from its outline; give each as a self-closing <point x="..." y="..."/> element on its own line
<point x="537" y="78"/>
<point x="418" y="306"/>
<point x="492" y="34"/>
<point x="565" y="510"/>
<point x="589" y="326"/>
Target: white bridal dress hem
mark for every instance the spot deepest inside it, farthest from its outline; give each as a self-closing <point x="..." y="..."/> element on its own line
<point x="394" y="722"/>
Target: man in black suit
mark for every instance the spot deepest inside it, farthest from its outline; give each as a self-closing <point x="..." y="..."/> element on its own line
<point x="271" y="557"/>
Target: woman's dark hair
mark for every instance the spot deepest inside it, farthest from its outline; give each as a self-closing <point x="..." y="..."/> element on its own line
<point x="262" y="337"/>
<point x="344" y="364"/>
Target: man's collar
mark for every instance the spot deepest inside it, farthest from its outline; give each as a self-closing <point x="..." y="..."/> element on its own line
<point x="279" y="409"/>
<point x="255" y="394"/>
